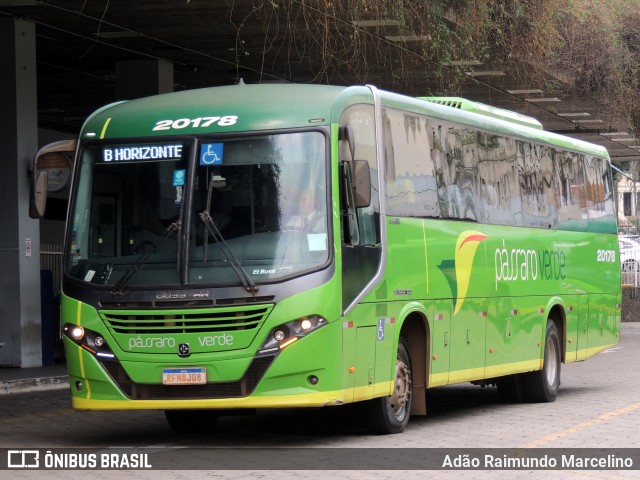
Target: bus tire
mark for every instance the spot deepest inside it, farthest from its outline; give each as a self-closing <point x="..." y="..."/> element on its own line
<point x="542" y="386"/>
<point x="388" y="415"/>
<point x="510" y="388"/>
<point x="191" y="421"/>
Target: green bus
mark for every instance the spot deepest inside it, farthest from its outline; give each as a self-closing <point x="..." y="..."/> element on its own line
<point x="262" y="246"/>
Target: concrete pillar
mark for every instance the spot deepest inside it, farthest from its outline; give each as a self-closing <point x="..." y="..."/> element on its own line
<point x="20" y="322"/>
<point x="142" y="78"/>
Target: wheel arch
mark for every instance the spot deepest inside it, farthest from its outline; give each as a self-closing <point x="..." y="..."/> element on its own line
<point x="558" y="315"/>
<point x="414" y="329"/>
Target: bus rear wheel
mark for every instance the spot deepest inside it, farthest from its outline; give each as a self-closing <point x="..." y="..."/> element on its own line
<point x="388" y="415"/>
<point x="191" y="421"/>
<point x="543" y="385"/>
<point x="510" y="388"/>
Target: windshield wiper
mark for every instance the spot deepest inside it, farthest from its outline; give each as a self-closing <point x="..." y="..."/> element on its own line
<point x="118" y="289"/>
<point x="244" y="277"/>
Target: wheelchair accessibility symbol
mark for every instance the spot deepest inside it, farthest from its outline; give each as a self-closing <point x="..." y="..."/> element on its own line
<point x="381" y="328"/>
<point x="211" y="154"/>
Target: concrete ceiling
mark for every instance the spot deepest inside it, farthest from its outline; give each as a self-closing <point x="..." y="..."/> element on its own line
<point x="217" y="42"/>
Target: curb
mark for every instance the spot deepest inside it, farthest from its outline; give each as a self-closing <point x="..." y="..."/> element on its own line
<point x="24" y="385"/>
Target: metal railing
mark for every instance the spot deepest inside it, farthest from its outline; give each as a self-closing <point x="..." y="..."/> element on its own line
<point x="630" y="260"/>
<point x="51" y="259"/>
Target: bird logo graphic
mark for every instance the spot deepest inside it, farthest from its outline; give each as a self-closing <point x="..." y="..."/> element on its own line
<point x="458" y="271"/>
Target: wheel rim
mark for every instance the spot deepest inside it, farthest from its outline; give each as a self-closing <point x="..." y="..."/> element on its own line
<point x="551" y="362"/>
<point x="401" y="395"/>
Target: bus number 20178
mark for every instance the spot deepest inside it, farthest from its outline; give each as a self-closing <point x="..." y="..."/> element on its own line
<point x="200" y="122"/>
<point x="606" y="256"/>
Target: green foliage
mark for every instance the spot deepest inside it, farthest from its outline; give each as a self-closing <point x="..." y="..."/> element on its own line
<point x="592" y="46"/>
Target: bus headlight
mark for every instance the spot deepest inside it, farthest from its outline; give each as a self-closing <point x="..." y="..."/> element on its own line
<point x="91" y="341"/>
<point x="77" y="333"/>
<point x="284" y="335"/>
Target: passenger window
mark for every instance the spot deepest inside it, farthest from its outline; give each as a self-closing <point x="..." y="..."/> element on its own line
<point x="411" y="174"/>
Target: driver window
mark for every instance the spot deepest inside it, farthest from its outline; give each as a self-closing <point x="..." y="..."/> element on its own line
<point x="361" y="119"/>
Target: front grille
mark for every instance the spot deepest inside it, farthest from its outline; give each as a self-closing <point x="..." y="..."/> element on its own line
<point x="246" y="317"/>
<point x="187" y="303"/>
<point x="152" y="391"/>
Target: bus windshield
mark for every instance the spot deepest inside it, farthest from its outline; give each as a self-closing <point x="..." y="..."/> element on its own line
<point x="212" y="212"/>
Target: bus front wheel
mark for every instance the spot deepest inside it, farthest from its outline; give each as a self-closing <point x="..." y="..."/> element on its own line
<point x="387" y="415"/>
<point x="191" y="421"/>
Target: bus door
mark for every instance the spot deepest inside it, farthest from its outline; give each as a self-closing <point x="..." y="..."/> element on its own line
<point x="361" y="248"/>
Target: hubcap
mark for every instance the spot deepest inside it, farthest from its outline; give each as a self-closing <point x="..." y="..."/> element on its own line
<point x="402" y="389"/>
<point x="551" y="360"/>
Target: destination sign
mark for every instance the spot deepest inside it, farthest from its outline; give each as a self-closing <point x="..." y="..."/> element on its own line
<point x="141" y="153"/>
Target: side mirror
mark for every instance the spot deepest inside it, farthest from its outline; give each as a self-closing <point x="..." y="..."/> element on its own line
<point x="55" y="159"/>
<point x="38" y="201"/>
<point x="361" y="183"/>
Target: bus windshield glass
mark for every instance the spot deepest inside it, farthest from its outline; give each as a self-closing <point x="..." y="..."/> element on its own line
<point x="164" y="214"/>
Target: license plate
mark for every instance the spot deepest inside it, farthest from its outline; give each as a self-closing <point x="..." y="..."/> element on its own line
<point x="184" y="376"/>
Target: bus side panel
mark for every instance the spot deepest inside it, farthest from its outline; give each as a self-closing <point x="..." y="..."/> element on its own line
<point x="468" y="331"/>
<point x="572" y="324"/>
<point x="368" y="359"/>
<point x="407" y="270"/>
<point x="385" y="361"/>
<point x="365" y="362"/>
<point x="583" y="327"/>
<point x="440" y="343"/>
<point x="514" y="327"/>
<point x="603" y="328"/>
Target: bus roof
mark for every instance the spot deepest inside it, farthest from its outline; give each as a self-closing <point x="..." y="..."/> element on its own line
<point x="282" y="106"/>
<point x="257" y="107"/>
<point x="477" y="107"/>
<point x="490" y="119"/>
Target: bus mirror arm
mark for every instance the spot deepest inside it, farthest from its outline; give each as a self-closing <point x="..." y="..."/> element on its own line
<point x="350" y="216"/>
<point x="361" y="179"/>
<point x="346" y="133"/>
